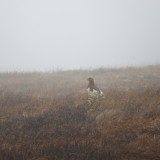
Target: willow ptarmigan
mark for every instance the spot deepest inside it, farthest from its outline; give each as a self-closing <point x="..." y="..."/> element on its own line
<point x="93" y="91"/>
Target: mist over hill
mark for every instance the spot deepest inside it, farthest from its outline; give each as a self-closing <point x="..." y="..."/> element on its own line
<point x="38" y="35"/>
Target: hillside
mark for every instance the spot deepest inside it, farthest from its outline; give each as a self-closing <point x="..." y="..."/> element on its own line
<point x="45" y="116"/>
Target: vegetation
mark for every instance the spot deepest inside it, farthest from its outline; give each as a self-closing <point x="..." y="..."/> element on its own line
<point x="46" y="116"/>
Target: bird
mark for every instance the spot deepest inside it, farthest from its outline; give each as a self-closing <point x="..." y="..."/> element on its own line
<point x="93" y="91"/>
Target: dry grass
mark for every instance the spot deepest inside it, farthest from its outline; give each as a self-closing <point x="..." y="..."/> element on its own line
<point x="45" y="116"/>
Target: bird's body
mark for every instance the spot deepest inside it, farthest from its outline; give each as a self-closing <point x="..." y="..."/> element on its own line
<point x="93" y="91"/>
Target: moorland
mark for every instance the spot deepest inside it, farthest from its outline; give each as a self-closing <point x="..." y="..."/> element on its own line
<point x="46" y="115"/>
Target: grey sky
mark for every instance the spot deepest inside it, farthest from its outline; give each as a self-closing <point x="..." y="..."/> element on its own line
<point x="73" y="34"/>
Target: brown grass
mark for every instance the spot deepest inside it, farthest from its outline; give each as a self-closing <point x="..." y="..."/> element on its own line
<point x="45" y="116"/>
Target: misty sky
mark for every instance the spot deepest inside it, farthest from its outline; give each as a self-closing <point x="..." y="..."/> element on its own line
<point x="73" y="34"/>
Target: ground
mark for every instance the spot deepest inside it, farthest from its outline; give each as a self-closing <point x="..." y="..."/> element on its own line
<point x="46" y="116"/>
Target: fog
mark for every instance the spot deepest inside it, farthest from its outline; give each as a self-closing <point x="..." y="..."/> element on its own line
<point x="42" y="35"/>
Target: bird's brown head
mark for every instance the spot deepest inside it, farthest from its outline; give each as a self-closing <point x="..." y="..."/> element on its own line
<point x="90" y="79"/>
<point x="91" y="82"/>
